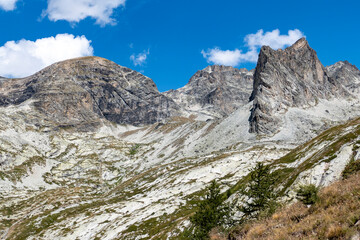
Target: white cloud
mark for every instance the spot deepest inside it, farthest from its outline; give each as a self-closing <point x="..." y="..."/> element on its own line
<point x="8" y="5"/>
<point x="140" y="58"/>
<point x="24" y="57"/>
<point x="273" y="39"/>
<point x="228" y="57"/>
<point x="76" y="10"/>
<point x="253" y="42"/>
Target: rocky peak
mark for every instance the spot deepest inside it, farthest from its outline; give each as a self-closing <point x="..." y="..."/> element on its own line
<point x="300" y="44"/>
<point x="347" y="74"/>
<point x="293" y="77"/>
<point x="82" y="91"/>
<point x="215" y="91"/>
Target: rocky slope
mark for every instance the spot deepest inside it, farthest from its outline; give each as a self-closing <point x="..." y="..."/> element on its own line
<point x="81" y="92"/>
<point x="215" y="91"/>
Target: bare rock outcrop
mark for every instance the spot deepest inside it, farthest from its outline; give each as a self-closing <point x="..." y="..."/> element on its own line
<point x="215" y="91"/>
<point x="293" y="77"/>
<point x="81" y="92"/>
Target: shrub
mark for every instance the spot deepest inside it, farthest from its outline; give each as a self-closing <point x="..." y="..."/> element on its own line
<point x="351" y="168"/>
<point x="134" y="149"/>
<point x="307" y="194"/>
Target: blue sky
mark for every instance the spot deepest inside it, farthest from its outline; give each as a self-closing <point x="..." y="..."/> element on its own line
<point x="169" y="41"/>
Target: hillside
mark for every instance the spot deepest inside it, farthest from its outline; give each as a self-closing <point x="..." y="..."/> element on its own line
<point x="335" y="215"/>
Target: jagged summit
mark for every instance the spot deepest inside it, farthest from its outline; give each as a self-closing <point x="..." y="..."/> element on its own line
<point x="293" y="77"/>
<point x="301" y="43"/>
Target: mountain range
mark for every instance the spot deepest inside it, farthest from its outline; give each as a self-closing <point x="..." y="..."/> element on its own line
<point x="92" y="150"/>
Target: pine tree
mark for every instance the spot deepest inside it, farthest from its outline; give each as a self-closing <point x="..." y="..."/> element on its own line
<point x="211" y="212"/>
<point x="260" y="192"/>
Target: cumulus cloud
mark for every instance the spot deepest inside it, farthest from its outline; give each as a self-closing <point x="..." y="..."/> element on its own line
<point x="8" y="5"/>
<point x="273" y="39"/>
<point x="228" y="57"/>
<point x="253" y="42"/>
<point x="139" y="59"/>
<point x="24" y="57"/>
<point x="76" y="10"/>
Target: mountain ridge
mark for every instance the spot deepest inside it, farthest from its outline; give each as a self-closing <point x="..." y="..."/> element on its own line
<point x="211" y="93"/>
<point x="216" y="91"/>
<point x="69" y="170"/>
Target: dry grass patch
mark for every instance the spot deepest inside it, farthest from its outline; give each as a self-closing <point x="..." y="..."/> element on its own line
<point x="335" y="216"/>
<point x="132" y="132"/>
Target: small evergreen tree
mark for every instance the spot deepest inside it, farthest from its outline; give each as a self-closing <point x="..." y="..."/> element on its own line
<point x="211" y="212"/>
<point x="260" y="192"/>
<point x="351" y="168"/>
<point x="307" y="194"/>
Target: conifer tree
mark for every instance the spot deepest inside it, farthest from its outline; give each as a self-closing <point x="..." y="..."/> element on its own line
<point x="260" y="192"/>
<point x="211" y="212"/>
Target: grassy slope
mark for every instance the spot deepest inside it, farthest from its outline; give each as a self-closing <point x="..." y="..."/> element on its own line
<point x="335" y="216"/>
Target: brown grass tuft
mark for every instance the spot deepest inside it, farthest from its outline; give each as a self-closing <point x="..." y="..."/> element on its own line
<point x="336" y="232"/>
<point x="335" y="216"/>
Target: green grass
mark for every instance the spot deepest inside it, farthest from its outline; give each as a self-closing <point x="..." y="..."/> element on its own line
<point x="19" y="171"/>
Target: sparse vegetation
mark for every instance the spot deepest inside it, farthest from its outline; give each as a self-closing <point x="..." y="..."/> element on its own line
<point x="134" y="149"/>
<point x="353" y="165"/>
<point x="163" y="226"/>
<point x="23" y="169"/>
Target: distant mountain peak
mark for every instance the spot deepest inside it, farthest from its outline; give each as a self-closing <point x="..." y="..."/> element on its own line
<point x="216" y="91"/>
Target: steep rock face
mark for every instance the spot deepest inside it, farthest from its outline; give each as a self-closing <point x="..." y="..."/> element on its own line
<point x="347" y="74"/>
<point x="82" y="91"/>
<point x="216" y="90"/>
<point x="293" y="77"/>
